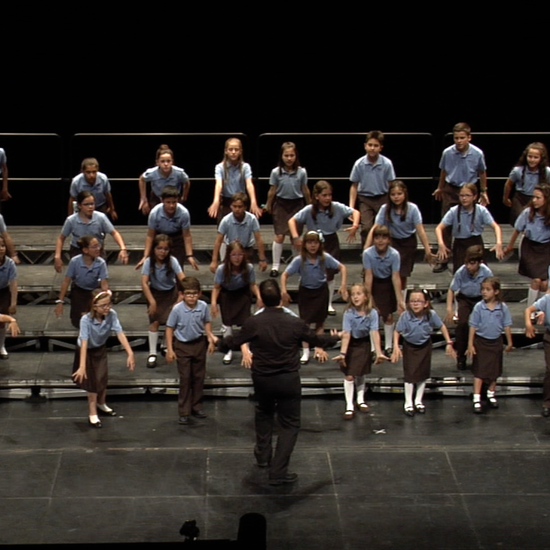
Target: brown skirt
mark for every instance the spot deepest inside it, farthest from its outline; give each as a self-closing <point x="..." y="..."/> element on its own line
<point x="332" y="246"/>
<point x="487" y="362"/>
<point x="383" y="295"/>
<point x="235" y="305"/>
<point x="165" y="299"/>
<point x="96" y="369"/>
<point x="283" y="210"/>
<point x="417" y="361"/>
<point x="407" y="250"/>
<point x="5" y="300"/>
<point x="80" y="304"/>
<point x="459" y="249"/>
<point x="534" y="259"/>
<point x="313" y="304"/>
<point x="519" y="203"/>
<point x="358" y="357"/>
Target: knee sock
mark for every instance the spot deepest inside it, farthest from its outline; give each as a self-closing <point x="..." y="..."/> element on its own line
<point x="420" y="387"/>
<point x="490" y="394"/>
<point x="276" y="253"/>
<point x="388" y="336"/>
<point x="330" y="293"/>
<point x="360" y="388"/>
<point x="477" y="398"/>
<point x="227" y="331"/>
<point x="223" y="249"/>
<point x="305" y="354"/>
<point x="409" y="388"/>
<point x="348" y="392"/>
<point x="532" y="296"/>
<point x="153" y="338"/>
<point x="2" y="337"/>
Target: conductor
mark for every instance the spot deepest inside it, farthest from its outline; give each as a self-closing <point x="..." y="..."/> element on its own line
<point x="275" y="337"/>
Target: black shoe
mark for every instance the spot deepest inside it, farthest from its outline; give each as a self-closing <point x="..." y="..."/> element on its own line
<point x="420" y="408"/>
<point x="152" y="361"/>
<point x="199" y="414"/>
<point x="95" y="424"/>
<point x="388" y="352"/>
<point x="106" y="413"/>
<point x="274" y="273"/>
<point x="545" y="412"/>
<point x="259" y="461"/>
<point x="183" y="420"/>
<point x="409" y="411"/>
<point x="289" y="478"/>
<point x="461" y="364"/>
<point x="439" y="268"/>
<point x="493" y="403"/>
<point x="331" y="312"/>
<point x="477" y="407"/>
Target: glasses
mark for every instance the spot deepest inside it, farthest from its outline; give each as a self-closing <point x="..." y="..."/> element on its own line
<point x="190" y="293"/>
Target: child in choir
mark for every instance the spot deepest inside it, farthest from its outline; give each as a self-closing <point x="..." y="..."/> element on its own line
<point x="488" y="320"/>
<point x="381" y="263"/>
<point x="542" y="307"/>
<point x="534" y="257"/>
<point x="239" y="225"/>
<point x="288" y="194"/>
<point x="163" y="174"/>
<point x="460" y="164"/>
<point x="86" y="222"/>
<point x="360" y="327"/>
<point x="467" y="221"/>
<point x="404" y="220"/>
<point x="370" y="177"/>
<point x="8" y="297"/>
<point x="531" y="170"/>
<point x="159" y="275"/>
<point x="466" y="287"/>
<point x="233" y="175"/>
<point x="90" y="370"/>
<point x="172" y="219"/>
<point x="96" y="182"/>
<point x="85" y="273"/>
<point x="234" y="284"/>
<point x="189" y="338"/>
<point x="416" y="326"/>
<point x="10" y="248"/>
<point x="326" y="217"/>
<point x="312" y="264"/>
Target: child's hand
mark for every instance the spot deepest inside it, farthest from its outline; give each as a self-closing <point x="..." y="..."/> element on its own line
<point x="449" y="317"/>
<point x="344" y="293"/>
<point x="214" y="310"/>
<point x="396" y="354"/>
<point x="170" y="356"/>
<point x="508" y="348"/>
<point x="341" y="360"/>
<point x="470" y="352"/>
<point x="352" y="231"/>
<point x="14" y="329"/>
<point x="499" y="252"/>
<point x="144" y="206"/>
<point x="380" y="358"/>
<point x="58" y="310"/>
<point x="540" y="317"/>
<point x="212" y="344"/>
<point x="131" y="362"/>
<point x="438" y="194"/>
<point x="152" y="309"/>
<point x="246" y="361"/>
<point x="483" y="198"/>
<point x="507" y="202"/>
<point x="450" y="351"/>
<point x="530" y="331"/>
<point x="401" y="307"/>
<point x="193" y="263"/>
<point x="139" y="264"/>
<point x="443" y="253"/>
<point x="213" y="266"/>
<point x="79" y="375"/>
<point x="286" y="298"/>
<point x="213" y="209"/>
<point x="58" y="264"/>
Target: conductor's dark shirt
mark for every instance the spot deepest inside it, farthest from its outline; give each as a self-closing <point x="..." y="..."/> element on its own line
<point x="275" y="338"/>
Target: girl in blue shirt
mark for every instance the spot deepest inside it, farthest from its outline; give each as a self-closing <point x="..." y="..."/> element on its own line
<point x="288" y="193"/>
<point x="8" y="294"/>
<point x="416" y="326"/>
<point x="534" y="223"/>
<point x="90" y="365"/>
<point x="360" y="327"/>
<point x="488" y="320"/>
<point x="159" y="274"/>
<point x="313" y="265"/>
<point x="234" y="284"/>
<point x="531" y="170"/>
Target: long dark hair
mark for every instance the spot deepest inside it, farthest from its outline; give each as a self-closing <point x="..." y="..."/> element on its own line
<point x="397" y="184"/>
<point x="543" y="164"/>
<point x="228" y="266"/>
<point x="167" y="261"/>
<point x="318" y="188"/>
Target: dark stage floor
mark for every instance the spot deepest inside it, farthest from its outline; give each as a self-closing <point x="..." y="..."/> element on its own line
<point x="449" y="479"/>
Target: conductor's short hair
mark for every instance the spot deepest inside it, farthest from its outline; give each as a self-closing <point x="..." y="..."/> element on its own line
<point x="270" y="293"/>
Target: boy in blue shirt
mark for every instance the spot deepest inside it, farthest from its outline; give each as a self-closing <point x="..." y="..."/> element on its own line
<point x="370" y="178"/>
<point x="460" y="163"/>
<point x="188" y="338"/>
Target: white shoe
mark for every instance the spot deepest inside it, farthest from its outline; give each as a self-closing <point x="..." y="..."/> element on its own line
<point x="228" y="357"/>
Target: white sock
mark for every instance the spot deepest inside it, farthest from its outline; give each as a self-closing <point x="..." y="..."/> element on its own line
<point x="490" y="394"/>
<point x="305" y="354"/>
<point x="360" y="388"/>
<point x="104" y="408"/>
<point x="404" y="292"/>
<point x="372" y="345"/>
<point x="276" y="253"/>
<point x="94" y="419"/>
<point x="153" y="338"/>
<point x="223" y="249"/>
<point x="388" y="335"/>
<point x="226" y="331"/>
<point x="420" y="387"/>
<point x="330" y="293"/>
<point x="2" y="337"/>
<point x="532" y="296"/>
<point x="348" y="392"/>
<point x="477" y="398"/>
<point x="228" y="356"/>
<point x="409" y="388"/>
